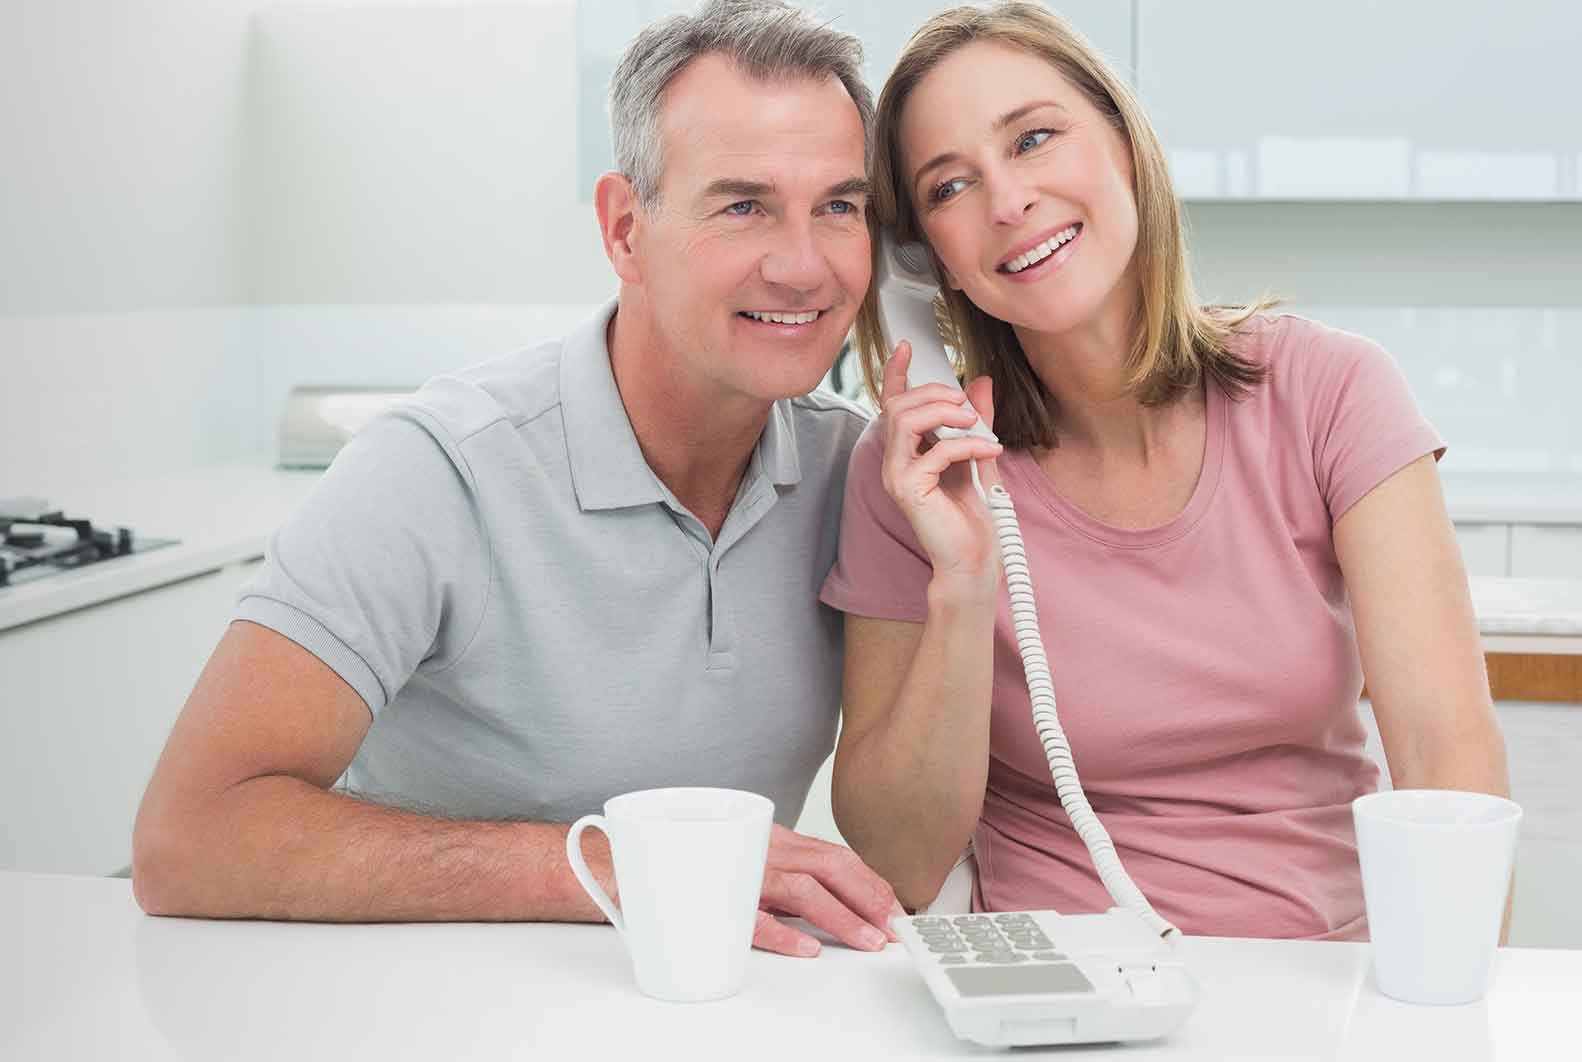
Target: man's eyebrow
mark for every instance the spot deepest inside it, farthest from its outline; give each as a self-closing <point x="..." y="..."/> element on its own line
<point x="851" y="186"/>
<point x="740" y="188"/>
<point x="999" y="123"/>
<point x="737" y="188"/>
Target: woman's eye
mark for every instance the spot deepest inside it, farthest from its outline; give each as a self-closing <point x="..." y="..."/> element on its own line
<point x="1029" y="140"/>
<point x="742" y="209"/>
<point x="948" y="189"/>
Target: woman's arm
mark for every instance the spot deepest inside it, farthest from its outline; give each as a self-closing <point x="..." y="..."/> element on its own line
<point x="1419" y="640"/>
<point x="914" y="746"/>
<point x="913" y="756"/>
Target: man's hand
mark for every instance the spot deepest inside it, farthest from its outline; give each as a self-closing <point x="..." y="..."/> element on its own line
<point x="829" y="886"/>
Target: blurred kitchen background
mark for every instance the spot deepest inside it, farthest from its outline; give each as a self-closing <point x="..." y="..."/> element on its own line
<point x="207" y="203"/>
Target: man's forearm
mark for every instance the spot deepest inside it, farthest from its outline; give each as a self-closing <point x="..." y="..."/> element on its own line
<point x="279" y="847"/>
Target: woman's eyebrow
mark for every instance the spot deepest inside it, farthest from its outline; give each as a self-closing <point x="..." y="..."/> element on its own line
<point x="1023" y="111"/>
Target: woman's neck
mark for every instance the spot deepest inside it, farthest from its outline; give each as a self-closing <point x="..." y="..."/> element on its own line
<point x="1087" y="373"/>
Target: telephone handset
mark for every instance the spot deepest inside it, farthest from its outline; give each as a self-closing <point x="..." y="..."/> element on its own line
<point x="1079" y="1001"/>
<point x="907" y="289"/>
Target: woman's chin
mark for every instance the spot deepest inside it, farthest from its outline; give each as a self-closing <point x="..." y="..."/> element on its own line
<point x="1031" y="315"/>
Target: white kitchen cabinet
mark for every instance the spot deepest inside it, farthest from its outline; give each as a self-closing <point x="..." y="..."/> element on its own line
<point x="1485" y="548"/>
<point x="87" y="699"/>
<point x="1357" y="99"/>
<point x="886" y="25"/>
<point x="1546" y="551"/>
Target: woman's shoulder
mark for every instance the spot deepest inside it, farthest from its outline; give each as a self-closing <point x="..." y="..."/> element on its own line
<point x="1302" y="356"/>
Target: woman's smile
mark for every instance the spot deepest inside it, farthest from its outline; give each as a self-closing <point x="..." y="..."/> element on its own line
<point x="1044" y="257"/>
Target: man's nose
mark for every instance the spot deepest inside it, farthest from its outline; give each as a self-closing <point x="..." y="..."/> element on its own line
<point x="796" y="260"/>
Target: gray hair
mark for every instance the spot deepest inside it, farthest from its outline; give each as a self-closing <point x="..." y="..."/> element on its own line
<point x="766" y="39"/>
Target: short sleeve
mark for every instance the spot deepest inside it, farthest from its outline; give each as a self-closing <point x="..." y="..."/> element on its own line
<point x="384" y="569"/>
<point x="880" y="568"/>
<point x="1362" y="419"/>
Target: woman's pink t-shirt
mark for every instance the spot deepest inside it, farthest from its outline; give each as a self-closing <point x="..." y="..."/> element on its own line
<point x="1206" y="670"/>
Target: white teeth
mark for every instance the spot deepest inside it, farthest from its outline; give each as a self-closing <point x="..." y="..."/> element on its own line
<point x="1042" y="251"/>
<point x="807" y="317"/>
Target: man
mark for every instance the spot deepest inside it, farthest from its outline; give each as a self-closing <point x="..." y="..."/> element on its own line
<point x="582" y="570"/>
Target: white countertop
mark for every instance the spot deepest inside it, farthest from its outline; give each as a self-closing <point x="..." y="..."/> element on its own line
<point x="224" y="513"/>
<point x="1539" y="607"/>
<point x="85" y="975"/>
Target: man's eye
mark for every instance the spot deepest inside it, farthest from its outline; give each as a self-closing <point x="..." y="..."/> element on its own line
<point x="742" y="209"/>
<point x="843" y="206"/>
<point x="1031" y="139"/>
<point x="947" y="190"/>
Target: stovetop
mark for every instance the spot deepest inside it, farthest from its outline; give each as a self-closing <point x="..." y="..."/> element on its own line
<point x="37" y="542"/>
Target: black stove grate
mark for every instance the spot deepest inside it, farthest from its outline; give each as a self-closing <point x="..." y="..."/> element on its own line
<point x="29" y="550"/>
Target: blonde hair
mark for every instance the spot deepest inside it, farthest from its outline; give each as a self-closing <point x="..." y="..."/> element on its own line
<point x="1176" y="339"/>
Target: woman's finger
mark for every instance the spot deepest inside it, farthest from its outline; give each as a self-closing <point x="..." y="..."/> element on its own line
<point x="921" y="396"/>
<point x="905" y="433"/>
<point x="948" y="452"/>
<point x="980" y="392"/>
<point x="893" y="385"/>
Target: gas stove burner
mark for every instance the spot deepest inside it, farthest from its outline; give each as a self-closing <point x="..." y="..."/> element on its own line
<point x="36" y="541"/>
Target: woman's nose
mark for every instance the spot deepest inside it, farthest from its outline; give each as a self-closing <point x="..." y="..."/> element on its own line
<point x="1010" y="199"/>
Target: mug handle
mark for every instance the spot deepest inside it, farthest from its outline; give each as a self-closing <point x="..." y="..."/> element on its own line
<point x="585" y="877"/>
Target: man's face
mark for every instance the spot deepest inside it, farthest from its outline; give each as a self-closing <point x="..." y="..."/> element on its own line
<point x="761" y="212"/>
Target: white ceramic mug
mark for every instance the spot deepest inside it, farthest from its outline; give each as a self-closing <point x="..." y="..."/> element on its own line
<point x="1436" y="867"/>
<point x="689" y="867"/>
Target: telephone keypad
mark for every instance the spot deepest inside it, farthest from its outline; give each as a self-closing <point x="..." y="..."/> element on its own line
<point x="997" y="940"/>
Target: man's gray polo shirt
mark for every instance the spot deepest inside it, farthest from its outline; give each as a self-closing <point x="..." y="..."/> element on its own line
<point x="534" y="620"/>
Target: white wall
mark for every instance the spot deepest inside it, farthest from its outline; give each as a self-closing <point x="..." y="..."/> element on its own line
<point x="120" y="124"/>
<point x="181" y="153"/>
<point x="203" y="202"/>
<point x="417" y="155"/>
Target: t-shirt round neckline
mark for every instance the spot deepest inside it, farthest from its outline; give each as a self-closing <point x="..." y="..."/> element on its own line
<point x="1026" y="471"/>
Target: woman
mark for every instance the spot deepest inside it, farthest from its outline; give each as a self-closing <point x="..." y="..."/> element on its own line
<point x="1221" y="510"/>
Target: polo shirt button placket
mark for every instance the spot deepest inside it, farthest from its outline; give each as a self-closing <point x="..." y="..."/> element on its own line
<point x="722" y="648"/>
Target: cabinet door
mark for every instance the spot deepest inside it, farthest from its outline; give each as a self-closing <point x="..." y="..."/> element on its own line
<point x="89" y="700"/>
<point x="1543" y="551"/>
<point x="1358" y="99"/>
<point x="1484" y="548"/>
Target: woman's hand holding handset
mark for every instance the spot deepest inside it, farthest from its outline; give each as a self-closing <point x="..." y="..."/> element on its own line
<point x="933" y="485"/>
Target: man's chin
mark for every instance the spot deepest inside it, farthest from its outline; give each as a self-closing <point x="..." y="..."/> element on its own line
<point x="792" y="383"/>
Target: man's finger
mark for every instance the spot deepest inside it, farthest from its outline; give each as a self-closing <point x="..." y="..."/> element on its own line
<point x="840" y="871"/>
<point x="771" y="934"/>
<point x="802" y="895"/>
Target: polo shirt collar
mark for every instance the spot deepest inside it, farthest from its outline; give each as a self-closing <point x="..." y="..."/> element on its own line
<point x="608" y="470"/>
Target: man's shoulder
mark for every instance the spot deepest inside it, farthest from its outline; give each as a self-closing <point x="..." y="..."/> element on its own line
<point x="515" y="390"/>
<point x="828" y="421"/>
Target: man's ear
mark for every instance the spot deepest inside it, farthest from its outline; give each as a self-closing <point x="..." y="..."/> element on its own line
<point x="615" y="202"/>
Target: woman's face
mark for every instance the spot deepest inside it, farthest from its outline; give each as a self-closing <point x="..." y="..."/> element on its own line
<point x="1023" y="189"/>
